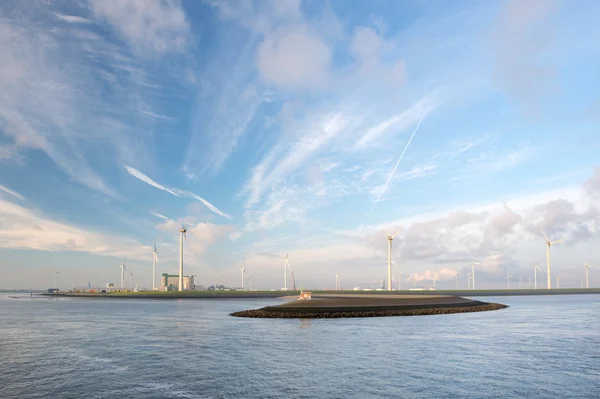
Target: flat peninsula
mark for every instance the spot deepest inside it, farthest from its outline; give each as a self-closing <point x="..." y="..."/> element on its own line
<point x="348" y="305"/>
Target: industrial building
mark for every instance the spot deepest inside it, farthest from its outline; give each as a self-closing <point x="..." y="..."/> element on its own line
<point x="170" y="282"/>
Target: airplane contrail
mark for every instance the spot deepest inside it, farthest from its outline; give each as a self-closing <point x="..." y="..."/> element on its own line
<point x="401" y="156"/>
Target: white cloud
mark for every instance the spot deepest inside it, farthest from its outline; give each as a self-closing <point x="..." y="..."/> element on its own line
<point x="22" y="228"/>
<point x="139" y="175"/>
<point x="155" y="26"/>
<point x="158" y="215"/>
<point x="74" y="19"/>
<point x="11" y="192"/>
<point x="294" y="59"/>
<point x="176" y="192"/>
<point x="366" y="43"/>
<point x="398" y="123"/>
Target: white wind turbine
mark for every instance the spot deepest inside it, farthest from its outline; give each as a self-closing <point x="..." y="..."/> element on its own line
<point x="286" y="265"/>
<point x="508" y="276"/>
<point x="529" y="285"/>
<point x="123" y="271"/>
<point x="473" y="274"/>
<point x="390" y="238"/>
<point x="399" y="281"/>
<point x="549" y="243"/>
<point x="433" y="279"/>
<point x="154" y="266"/>
<point x="558" y="282"/>
<point x="182" y="236"/>
<point x="587" y="267"/>
<point x="456" y="281"/>
<point x="337" y="281"/>
<point x="535" y="269"/>
<point x="520" y="279"/>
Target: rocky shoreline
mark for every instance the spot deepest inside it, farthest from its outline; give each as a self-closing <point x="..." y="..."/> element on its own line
<point x="303" y="313"/>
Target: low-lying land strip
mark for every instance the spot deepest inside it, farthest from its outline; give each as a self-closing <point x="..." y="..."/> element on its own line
<point x="371" y="306"/>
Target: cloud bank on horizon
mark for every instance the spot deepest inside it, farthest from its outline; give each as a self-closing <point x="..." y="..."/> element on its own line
<point x="272" y="127"/>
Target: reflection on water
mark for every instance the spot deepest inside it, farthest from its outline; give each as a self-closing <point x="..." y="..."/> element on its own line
<point x="73" y="348"/>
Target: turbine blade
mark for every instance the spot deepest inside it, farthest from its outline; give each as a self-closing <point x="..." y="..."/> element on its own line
<point x="557" y="241"/>
<point x="545" y="236"/>
<point x="394" y="236"/>
<point x="386" y="232"/>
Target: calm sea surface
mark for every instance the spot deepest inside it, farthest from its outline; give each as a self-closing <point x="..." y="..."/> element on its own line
<point x="540" y="347"/>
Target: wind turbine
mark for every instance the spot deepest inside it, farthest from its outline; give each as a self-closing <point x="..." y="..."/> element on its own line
<point x="399" y="281"/>
<point x="587" y="267"/>
<point x="337" y="281"/>
<point x="535" y="269"/>
<point x="433" y="280"/>
<point x="473" y="273"/>
<point x="508" y="276"/>
<point x="182" y="237"/>
<point x="57" y="279"/>
<point x="558" y="282"/>
<point x="390" y="238"/>
<point x="243" y="269"/>
<point x="131" y="281"/>
<point x="549" y="244"/>
<point x="123" y="273"/>
<point x="154" y="266"/>
<point x="529" y="285"/>
<point x="286" y="265"/>
<point x="520" y="279"/>
<point x="456" y="281"/>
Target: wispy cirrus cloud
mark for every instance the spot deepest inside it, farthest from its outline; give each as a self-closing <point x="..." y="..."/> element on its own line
<point x="158" y="215"/>
<point x="176" y="192"/>
<point x="11" y="192"/>
<point x="139" y="175"/>
<point x="149" y="26"/>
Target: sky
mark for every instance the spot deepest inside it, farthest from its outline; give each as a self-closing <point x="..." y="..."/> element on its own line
<point x="299" y="127"/>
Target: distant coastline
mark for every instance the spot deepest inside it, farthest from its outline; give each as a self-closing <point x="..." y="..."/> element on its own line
<point x="278" y="294"/>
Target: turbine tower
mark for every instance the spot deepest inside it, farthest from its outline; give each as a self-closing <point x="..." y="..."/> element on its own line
<point x="473" y="274"/>
<point x="508" y="276"/>
<point x="549" y="244"/>
<point x="399" y="281"/>
<point x="286" y="264"/>
<point x="587" y="267"/>
<point x="56" y="279"/>
<point x="243" y="269"/>
<point x="154" y="266"/>
<point x="456" y="281"/>
<point x="337" y="281"/>
<point x="535" y="269"/>
<point x="390" y="238"/>
<point x="123" y="273"/>
<point x="520" y="279"/>
<point x="182" y="237"/>
<point x="558" y="282"/>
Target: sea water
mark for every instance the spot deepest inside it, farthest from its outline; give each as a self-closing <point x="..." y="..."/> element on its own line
<point x="539" y="347"/>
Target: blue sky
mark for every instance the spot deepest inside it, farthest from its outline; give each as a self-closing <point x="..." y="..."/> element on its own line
<point x="273" y="127"/>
